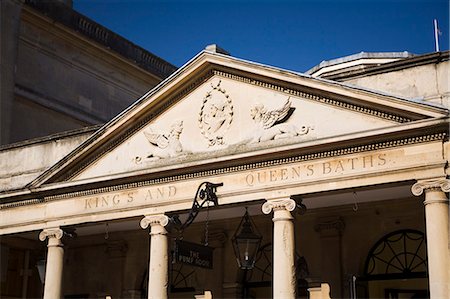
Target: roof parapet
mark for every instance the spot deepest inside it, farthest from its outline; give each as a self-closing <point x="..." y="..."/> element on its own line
<point x="64" y="14"/>
<point x="359" y="60"/>
<point x="216" y="49"/>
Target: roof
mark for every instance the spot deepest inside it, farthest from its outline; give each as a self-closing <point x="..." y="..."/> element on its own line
<point x="339" y="123"/>
<point x="65" y="15"/>
<point x="399" y="64"/>
<point x="51" y="137"/>
<point x="358" y="56"/>
<point x="363" y="60"/>
<point x="321" y="79"/>
<point x="23" y="161"/>
<point x="115" y="155"/>
<point x="139" y="112"/>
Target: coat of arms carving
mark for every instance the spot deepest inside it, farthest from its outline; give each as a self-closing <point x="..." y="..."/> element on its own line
<point x="216" y="115"/>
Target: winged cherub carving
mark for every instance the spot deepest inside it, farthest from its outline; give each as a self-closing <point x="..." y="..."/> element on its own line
<point x="271" y="124"/>
<point x="165" y="145"/>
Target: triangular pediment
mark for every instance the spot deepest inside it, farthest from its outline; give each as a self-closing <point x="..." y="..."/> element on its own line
<point x="217" y="109"/>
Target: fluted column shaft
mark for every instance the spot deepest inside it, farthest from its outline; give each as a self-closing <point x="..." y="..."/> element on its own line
<point x="283" y="278"/>
<point x="55" y="259"/>
<point x="158" y="269"/>
<point x="436" y="215"/>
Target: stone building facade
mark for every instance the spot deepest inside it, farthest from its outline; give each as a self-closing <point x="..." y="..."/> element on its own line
<point x="347" y="185"/>
<point x="62" y="71"/>
<point x="403" y="74"/>
<point x="369" y="168"/>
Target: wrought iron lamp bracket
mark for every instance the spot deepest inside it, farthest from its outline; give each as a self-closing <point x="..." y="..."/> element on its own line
<point x="206" y="193"/>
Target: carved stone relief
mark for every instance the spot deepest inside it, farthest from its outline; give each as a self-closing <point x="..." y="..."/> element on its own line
<point x="215" y="118"/>
<point x="271" y="124"/>
<point x="163" y="145"/>
<point x="216" y="115"/>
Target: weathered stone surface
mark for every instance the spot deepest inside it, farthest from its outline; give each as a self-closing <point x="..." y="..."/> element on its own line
<point x="242" y="130"/>
<point x="23" y="162"/>
<point x="62" y="71"/>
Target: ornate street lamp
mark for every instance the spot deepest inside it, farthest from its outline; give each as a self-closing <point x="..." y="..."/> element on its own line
<point x="246" y="242"/>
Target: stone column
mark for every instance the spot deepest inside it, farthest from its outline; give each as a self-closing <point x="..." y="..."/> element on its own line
<point x="283" y="278"/>
<point x="436" y="217"/>
<point x="330" y="230"/>
<point x="217" y="240"/>
<point x="55" y="259"/>
<point x="158" y="269"/>
<point x="116" y="252"/>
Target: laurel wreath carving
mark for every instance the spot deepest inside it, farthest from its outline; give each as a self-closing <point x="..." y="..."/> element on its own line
<point x="216" y="115"/>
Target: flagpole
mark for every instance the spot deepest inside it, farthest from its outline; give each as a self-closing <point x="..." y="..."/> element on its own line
<point x="436" y="35"/>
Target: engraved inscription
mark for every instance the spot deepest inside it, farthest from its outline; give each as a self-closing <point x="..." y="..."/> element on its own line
<point x="306" y="171"/>
<point x="137" y="197"/>
<point x="160" y="193"/>
<point x="295" y="173"/>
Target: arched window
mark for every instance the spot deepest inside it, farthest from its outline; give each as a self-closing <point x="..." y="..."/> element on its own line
<point x="398" y="255"/>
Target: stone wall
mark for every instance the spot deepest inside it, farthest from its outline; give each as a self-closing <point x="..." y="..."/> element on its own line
<point x="22" y="162"/>
<point x="429" y="82"/>
<point x="56" y="77"/>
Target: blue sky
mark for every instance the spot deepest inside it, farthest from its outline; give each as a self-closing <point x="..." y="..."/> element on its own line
<point x="294" y="35"/>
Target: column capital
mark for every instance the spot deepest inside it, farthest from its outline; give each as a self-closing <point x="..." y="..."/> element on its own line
<point x="439" y="184"/>
<point x="54" y="232"/>
<point x="279" y="204"/>
<point x="153" y="220"/>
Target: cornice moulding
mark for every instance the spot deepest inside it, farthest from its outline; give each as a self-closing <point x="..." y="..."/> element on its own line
<point x="222" y="165"/>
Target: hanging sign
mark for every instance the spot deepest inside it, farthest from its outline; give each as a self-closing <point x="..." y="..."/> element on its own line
<point x="193" y="254"/>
